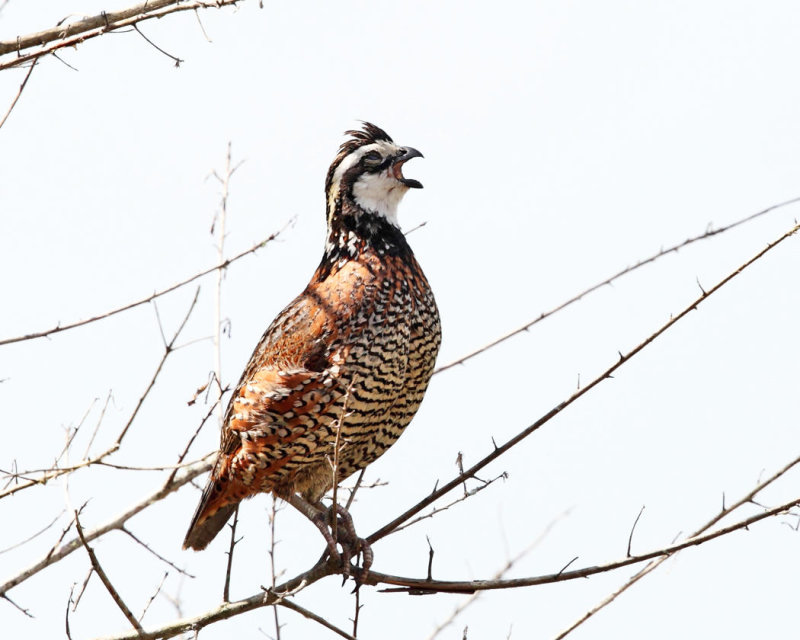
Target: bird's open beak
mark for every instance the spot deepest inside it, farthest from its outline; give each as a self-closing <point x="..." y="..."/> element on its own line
<point x="405" y="154"/>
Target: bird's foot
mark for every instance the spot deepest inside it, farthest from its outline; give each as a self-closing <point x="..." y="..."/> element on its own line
<point x="343" y="535"/>
<point x="352" y="545"/>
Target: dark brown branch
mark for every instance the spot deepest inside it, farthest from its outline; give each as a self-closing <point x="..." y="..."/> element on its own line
<point x="623" y="358"/>
<point x="663" y="252"/>
<point x="98" y="569"/>
<point x="59" y="328"/>
<point x="422" y="585"/>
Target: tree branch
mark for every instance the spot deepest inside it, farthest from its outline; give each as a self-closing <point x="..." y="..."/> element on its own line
<point x="188" y="474"/>
<point x="74" y="33"/>
<point x="420" y="586"/>
<point x="663" y="252"/>
<point x="98" y="569"/>
<point x="222" y="265"/>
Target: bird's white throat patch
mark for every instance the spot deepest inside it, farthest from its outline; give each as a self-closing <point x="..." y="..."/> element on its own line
<point x="379" y="193"/>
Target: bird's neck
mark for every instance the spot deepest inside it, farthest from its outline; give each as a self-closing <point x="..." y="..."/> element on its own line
<point x="353" y="231"/>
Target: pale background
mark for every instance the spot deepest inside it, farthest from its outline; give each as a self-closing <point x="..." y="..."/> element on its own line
<point x="562" y="141"/>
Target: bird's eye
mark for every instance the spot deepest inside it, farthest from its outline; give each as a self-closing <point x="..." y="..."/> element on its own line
<point x="372" y="159"/>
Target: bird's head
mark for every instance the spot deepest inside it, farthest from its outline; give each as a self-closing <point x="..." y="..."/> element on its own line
<point x="368" y="173"/>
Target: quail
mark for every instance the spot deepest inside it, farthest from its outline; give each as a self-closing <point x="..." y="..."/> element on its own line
<point x="342" y="370"/>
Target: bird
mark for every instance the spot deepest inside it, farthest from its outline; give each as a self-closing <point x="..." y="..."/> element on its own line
<point x="341" y="371"/>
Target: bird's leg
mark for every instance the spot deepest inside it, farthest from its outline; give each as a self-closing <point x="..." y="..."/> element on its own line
<point x="319" y="516"/>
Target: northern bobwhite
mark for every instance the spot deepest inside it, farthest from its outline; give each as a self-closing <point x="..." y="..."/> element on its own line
<point x="352" y="354"/>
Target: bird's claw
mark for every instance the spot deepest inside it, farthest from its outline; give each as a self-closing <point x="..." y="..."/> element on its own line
<point x="352" y="546"/>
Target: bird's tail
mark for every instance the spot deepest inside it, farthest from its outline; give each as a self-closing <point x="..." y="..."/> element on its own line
<point x="209" y="518"/>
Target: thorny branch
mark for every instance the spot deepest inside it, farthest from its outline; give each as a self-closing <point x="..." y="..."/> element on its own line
<point x="651" y="566"/>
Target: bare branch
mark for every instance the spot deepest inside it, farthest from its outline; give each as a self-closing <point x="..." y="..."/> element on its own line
<point x="657" y="562"/>
<point x="226" y="591"/>
<point x="498" y="451"/>
<point x="633" y="528"/>
<point x="59" y="471"/>
<point x="74" y="33"/>
<point x="153" y="597"/>
<point x="416" y="586"/>
<point x="98" y="569"/>
<point x="155" y="553"/>
<point x="34" y="535"/>
<point x="156" y="47"/>
<point x="64" y="550"/>
<point x="229" y="609"/>
<point x="313" y="616"/>
<point x="709" y="233"/>
<point x="59" y="328"/>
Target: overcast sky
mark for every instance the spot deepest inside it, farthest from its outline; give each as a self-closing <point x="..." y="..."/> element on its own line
<point x="563" y="141"/>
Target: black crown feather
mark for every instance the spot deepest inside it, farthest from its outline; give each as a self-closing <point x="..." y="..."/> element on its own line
<point x="369" y="134"/>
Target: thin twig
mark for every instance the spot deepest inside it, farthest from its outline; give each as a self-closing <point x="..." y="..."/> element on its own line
<point x="709" y="233"/>
<point x="630" y="536"/>
<point x="458" y="610"/>
<point x="131" y="305"/>
<point x="34" y="535"/>
<point x="98" y="569"/>
<point x="226" y="591"/>
<point x="127" y="531"/>
<point x="153" y="597"/>
<point x="313" y="616"/>
<point x="273" y="574"/>
<point x="19" y="93"/>
<point x="156" y="47"/>
<point x="117" y="522"/>
<point x="223" y="218"/>
<point x="228" y="610"/>
<point x="485" y="484"/>
<point x="50" y="474"/>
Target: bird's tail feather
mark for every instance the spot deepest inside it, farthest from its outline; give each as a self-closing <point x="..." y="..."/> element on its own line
<point x="204" y="527"/>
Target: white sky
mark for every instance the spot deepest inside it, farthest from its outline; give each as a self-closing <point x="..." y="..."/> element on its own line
<point x="562" y="141"/>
